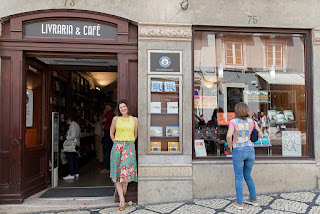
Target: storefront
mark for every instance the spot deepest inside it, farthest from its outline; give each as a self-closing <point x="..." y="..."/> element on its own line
<point x="184" y="80"/>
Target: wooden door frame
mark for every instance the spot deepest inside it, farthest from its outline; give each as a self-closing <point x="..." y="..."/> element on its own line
<point x="15" y="46"/>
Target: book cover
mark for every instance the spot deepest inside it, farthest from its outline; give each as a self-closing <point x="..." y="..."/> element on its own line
<point x="173" y="146"/>
<point x="156" y="131"/>
<point x="172" y="131"/>
<point x="172" y="107"/>
<point x="155" y="107"/>
<point x="289" y="115"/>
<point x="200" y="148"/>
<point x="281" y="117"/>
<point x="272" y="116"/>
<point x="155" y="146"/>
<point x="170" y="86"/>
<point x="156" y="86"/>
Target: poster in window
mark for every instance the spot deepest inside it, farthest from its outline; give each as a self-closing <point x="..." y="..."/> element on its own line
<point x="272" y="116"/>
<point x="281" y="117"/>
<point x="224" y="118"/>
<point x="289" y="115"/>
<point x="172" y="131"/>
<point x="156" y="86"/>
<point x="200" y="149"/>
<point x="29" y="108"/>
<point x="173" y="146"/>
<point x="155" y="107"/>
<point x="291" y="143"/>
<point x="155" y="146"/>
<point x="172" y="107"/>
<point x="156" y="131"/>
<point x="170" y="86"/>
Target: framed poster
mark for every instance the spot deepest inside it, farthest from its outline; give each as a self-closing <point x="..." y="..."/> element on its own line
<point x="291" y="143"/>
<point x="164" y="62"/>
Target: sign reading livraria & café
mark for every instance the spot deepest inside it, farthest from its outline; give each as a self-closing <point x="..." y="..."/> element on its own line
<point x="70" y="29"/>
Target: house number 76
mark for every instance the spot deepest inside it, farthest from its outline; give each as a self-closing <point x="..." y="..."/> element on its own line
<point x="253" y="20"/>
<point x="72" y="2"/>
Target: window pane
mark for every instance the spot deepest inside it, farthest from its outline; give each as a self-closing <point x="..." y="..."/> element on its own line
<point x="275" y="95"/>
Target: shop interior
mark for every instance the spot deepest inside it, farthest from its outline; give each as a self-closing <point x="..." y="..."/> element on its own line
<point x="80" y="87"/>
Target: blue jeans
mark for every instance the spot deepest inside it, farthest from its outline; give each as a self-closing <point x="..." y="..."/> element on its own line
<point x="243" y="160"/>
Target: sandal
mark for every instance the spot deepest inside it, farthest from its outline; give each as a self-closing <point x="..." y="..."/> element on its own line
<point x="252" y="202"/>
<point x="121" y="207"/>
<point x="239" y="206"/>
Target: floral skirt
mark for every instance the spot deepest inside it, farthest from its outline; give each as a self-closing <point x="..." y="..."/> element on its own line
<point x="123" y="162"/>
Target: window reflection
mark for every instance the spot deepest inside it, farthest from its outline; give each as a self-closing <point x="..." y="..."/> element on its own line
<point x="266" y="71"/>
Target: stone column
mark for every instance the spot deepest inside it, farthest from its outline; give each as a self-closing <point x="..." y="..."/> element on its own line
<point x="164" y="178"/>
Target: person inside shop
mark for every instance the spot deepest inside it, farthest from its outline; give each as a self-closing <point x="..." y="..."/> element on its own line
<point x="98" y="133"/>
<point x="106" y="140"/>
<point x="264" y="123"/>
<point x="73" y="133"/>
<point x="243" y="156"/>
<point x="123" y="132"/>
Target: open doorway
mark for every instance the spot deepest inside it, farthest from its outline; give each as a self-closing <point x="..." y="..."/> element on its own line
<point x="80" y="87"/>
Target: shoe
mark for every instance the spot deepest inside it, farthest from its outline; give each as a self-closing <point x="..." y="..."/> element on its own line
<point x="121" y="207"/>
<point x="238" y="206"/>
<point x="76" y="175"/>
<point x="252" y="202"/>
<point x="68" y="177"/>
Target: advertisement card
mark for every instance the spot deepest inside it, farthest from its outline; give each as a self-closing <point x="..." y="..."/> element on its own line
<point x="173" y="146"/>
<point x="291" y="143"/>
<point x="155" y="107"/>
<point x="156" y="131"/>
<point x="200" y="148"/>
<point x="170" y="86"/>
<point x="272" y="116"/>
<point x="172" y="108"/>
<point x="156" y="86"/>
<point x="172" y="131"/>
<point x="155" y="146"/>
<point x="224" y="118"/>
<point x="289" y="115"/>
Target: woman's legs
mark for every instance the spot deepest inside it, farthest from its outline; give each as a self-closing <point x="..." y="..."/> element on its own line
<point x="248" y="164"/>
<point x="124" y="187"/>
<point x="120" y="192"/>
<point x="238" y="164"/>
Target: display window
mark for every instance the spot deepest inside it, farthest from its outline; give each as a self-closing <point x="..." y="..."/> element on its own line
<point x="267" y="71"/>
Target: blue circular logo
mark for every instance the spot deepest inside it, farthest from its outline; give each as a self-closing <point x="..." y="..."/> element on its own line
<point x="165" y="61"/>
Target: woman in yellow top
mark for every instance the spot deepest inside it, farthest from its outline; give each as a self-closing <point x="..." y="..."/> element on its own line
<point x="123" y="132"/>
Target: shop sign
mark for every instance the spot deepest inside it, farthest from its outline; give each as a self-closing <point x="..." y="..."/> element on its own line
<point x="29" y="108"/>
<point x="70" y="29"/>
<point x="166" y="61"/>
<point x="291" y="143"/>
<point x="256" y="96"/>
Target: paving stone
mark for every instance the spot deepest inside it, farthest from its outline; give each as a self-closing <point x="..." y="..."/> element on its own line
<point x="264" y="200"/>
<point x="315" y="210"/>
<point x="213" y="203"/>
<point x="248" y="209"/>
<point x="75" y="212"/>
<point x="164" y="208"/>
<point x="193" y="209"/>
<point x="115" y="210"/>
<point x="318" y="200"/>
<point x="289" y="206"/>
<point x="142" y="211"/>
<point x="275" y="212"/>
<point x="299" y="196"/>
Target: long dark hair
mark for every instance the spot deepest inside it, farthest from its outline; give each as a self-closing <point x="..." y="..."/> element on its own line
<point x="241" y="111"/>
<point x="118" y="113"/>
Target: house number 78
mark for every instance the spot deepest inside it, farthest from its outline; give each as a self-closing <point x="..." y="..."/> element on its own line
<point x="253" y="20"/>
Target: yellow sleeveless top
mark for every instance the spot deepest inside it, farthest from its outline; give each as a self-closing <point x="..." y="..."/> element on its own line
<point x="125" y="129"/>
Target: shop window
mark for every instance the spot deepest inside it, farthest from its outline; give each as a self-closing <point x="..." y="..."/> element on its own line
<point x="274" y="55"/>
<point x="233" y="53"/>
<point x="276" y="97"/>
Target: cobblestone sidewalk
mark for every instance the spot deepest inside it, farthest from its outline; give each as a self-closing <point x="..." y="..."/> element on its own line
<point x="282" y="203"/>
